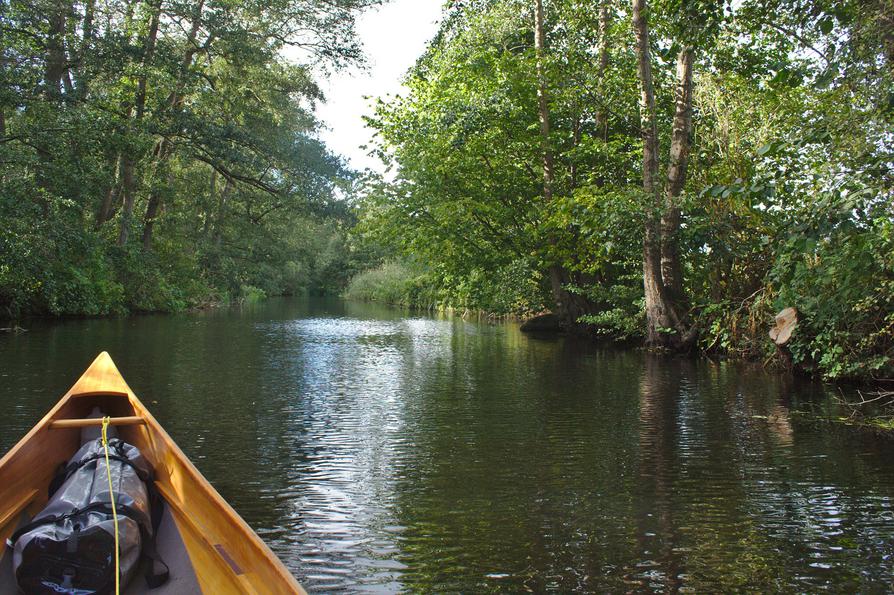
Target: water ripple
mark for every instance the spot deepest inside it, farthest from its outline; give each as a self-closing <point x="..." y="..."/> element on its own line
<point x="378" y="452"/>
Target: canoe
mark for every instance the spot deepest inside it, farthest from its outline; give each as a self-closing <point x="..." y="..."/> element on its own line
<point x="206" y="544"/>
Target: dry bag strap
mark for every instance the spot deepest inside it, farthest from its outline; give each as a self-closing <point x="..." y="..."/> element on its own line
<point x="55" y="518"/>
<point x="154" y="578"/>
<point x="67" y="471"/>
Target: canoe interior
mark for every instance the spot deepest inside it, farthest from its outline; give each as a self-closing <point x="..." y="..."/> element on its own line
<point x="206" y="544"/>
<point x="168" y="540"/>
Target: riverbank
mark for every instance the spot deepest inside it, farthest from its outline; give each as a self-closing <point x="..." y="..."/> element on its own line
<point x="822" y="345"/>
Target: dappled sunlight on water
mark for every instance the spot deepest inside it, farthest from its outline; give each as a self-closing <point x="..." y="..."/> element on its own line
<point x="380" y="450"/>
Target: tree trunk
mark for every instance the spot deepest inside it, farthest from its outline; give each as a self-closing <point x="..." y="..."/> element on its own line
<point x="2" y="112"/>
<point x="54" y="67"/>
<point x="128" y="189"/>
<point x="128" y="179"/>
<point x="148" y="54"/>
<point x="155" y="196"/>
<point x="543" y="102"/>
<point x="165" y="147"/>
<point x="575" y="142"/>
<point x="648" y="125"/>
<point x="111" y="197"/>
<point x="671" y="269"/>
<point x="569" y="306"/>
<point x="81" y="76"/>
<point x="222" y="211"/>
<point x="212" y="192"/>
<point x="884" y="29"/>
<point x="664" y="326"/>
<point x="175" y="99"/>
<point x="556" y="273"/>
<point x="604" y="19"/>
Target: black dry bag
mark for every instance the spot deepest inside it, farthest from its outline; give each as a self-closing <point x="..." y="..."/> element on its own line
<point x="69" y="547"/>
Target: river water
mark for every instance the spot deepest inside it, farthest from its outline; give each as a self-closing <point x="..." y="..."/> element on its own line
<point x="380" y="450"/>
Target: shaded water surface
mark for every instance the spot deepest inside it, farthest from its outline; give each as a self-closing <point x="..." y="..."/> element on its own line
<point x="380" y="450"/>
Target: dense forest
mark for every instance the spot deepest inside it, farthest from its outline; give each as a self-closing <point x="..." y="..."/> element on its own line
<point x="673" y="172"/>
<point x="159" y="154"/>
<point x="670" y="171"/>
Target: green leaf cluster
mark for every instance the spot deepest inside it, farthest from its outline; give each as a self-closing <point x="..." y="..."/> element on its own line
<point x="788" y="196"/>
<point x="161" y="154"/>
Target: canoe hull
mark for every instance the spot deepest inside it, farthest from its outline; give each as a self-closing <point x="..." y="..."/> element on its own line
<point x="226" y="554"/>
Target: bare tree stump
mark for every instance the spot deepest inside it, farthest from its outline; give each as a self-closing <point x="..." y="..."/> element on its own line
<point x="786" y="322"/>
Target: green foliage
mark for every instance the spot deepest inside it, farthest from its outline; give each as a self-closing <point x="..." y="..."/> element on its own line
<point x="838" y="269"/>
<point x="621" y="315"/>
<point x="787" y="199"/>
<point x="157" y="282"/>
<point x="249" y="294"/>
<point x="44" y="269"/>
<point x="161" y="155"/>
<point x="393" y="283"/>
<point x="510" y="290"/>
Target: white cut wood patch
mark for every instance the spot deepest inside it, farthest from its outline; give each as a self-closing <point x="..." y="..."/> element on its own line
<point x="786" y="321"/>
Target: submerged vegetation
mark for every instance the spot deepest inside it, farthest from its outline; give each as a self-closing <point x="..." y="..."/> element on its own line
<point x="160" y="154"/>
<point x="673" y="171"/>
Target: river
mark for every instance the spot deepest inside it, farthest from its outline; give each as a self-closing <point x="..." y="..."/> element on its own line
<point x="382" y="450"/>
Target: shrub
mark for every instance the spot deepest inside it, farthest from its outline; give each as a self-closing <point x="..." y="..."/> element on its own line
<point x="249" y="294"/>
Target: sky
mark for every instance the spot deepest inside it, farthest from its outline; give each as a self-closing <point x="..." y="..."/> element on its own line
<point x="394" y="36"/>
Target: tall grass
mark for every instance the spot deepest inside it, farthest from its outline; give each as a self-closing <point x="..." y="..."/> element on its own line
<point x="394" y="283"/>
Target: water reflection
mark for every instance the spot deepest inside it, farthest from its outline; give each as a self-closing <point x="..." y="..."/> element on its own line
<point x="660" y="424"/>
<point x="379" y="450"/>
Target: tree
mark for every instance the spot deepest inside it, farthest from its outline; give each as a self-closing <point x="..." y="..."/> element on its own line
<point x="111" y="111"/>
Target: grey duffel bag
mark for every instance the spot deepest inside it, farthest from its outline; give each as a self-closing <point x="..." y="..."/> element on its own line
<point x="69" y="546"/>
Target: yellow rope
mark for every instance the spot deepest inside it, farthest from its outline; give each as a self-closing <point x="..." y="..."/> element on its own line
<point x="105" y="443"/>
